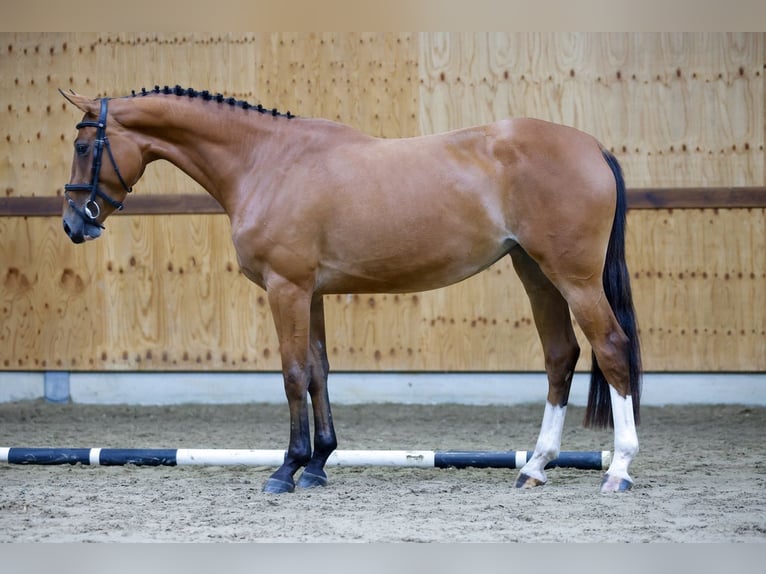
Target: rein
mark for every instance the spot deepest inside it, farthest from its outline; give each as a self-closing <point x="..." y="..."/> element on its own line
<point x="90" y="210"/>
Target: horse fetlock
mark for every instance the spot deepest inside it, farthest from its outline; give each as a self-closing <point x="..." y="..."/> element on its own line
<point x="295" y="458"/>
<point x="626" y="447"/>
<point x="325" y="443"/>
<point x="621" y="460"/>
<point x="547" y="454"/>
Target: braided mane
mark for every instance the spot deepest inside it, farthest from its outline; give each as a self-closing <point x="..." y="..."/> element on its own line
<point x="208" y="96"/>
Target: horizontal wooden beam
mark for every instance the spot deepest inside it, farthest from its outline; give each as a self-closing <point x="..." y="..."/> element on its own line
<point x="165" y="204"/>
<point x="196" y="203"/>
<point x="697" y="198"/>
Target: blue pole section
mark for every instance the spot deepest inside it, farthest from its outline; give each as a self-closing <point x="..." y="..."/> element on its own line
<point x="510" y="459"/>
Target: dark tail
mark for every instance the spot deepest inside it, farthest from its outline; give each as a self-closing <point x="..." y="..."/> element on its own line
<point x="617" y="288"/>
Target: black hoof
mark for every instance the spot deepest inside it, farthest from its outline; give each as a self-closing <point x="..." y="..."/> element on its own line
<point x="311" y="480"/>
<point x="276" y="486"/>
<point x="526" y="481"/>
<point x="615" y="484"/>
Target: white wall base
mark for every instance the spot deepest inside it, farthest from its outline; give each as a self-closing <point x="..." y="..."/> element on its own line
<point x="354" y="388"/>
<point x="21" y="386"/>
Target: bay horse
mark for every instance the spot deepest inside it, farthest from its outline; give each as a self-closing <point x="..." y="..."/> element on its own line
<point x="317" y="208"/>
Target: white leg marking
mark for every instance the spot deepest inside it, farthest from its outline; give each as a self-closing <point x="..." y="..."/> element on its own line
<point x="625" y="437"/>
<point x="548" y="443"/>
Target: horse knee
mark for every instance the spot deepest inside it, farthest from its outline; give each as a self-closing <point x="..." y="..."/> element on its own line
<point x="296" y="381"/>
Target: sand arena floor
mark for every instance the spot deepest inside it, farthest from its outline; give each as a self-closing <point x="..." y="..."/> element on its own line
<point x="700" y="477"/>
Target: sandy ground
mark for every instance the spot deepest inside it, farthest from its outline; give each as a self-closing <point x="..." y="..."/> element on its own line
<point x="700" y="477"/>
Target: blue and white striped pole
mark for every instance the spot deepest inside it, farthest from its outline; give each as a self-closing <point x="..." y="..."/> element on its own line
<point x="587" y="460"/>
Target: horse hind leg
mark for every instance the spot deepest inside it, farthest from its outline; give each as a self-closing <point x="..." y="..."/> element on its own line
<point x="561" y="350"/>
<point x="611" y="352"/>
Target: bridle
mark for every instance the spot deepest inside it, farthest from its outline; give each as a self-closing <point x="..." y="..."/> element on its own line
<point x="90" y="210"/>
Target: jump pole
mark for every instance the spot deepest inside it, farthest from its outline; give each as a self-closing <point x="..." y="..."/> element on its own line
<point x="585" y="460"/>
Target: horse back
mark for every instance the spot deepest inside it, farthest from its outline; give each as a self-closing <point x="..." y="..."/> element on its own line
<point x="364" y="214"/>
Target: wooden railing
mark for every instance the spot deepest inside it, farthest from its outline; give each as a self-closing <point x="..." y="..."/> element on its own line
<point x="197" y="203"/>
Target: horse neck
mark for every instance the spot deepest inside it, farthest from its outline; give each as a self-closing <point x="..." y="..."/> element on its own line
<point x="218" y="145"/>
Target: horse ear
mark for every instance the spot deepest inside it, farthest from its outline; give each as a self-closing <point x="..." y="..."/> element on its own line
<point x="81" y="102"/>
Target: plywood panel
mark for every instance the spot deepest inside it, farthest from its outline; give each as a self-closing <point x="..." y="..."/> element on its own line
<point x="165" y="292"/>
<point x="159" y="296"/>
<point x="156" y="295"/>
<point x="700" y="287"/>
<point x="367" y="80"/>
<point x="483" y="323"/>
<point x="153" y="296"/>
<point x="678" y="109"/>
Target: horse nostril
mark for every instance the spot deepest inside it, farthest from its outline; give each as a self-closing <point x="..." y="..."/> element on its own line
<point x="67" y="229"/>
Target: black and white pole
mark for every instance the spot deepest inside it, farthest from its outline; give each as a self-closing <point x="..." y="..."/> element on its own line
<point x="586" y="460"/>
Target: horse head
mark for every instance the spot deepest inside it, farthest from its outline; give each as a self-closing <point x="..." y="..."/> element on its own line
<point x="96" y="187"/>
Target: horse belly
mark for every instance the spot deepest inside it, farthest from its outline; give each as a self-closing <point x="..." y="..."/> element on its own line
<point x="410" y="260"/>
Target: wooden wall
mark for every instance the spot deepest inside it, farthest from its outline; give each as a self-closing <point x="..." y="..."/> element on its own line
<point x="164" y="292"/>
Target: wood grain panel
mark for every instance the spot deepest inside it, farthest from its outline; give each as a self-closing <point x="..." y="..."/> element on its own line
<point x="194" y="203"/>
<point x="700" y="287"/>
<point x="367" y="80"/>
<point x="678" y="109"/>
<point x="152" y="296"/>
<point x="164" y="293"/>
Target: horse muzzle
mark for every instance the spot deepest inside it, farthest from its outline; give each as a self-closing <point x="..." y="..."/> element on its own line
<point x="79" y="229"/>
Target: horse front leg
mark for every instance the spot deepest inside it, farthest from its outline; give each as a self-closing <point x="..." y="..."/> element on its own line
<point x="325" y="440"/>
<point x="290" y="307"/>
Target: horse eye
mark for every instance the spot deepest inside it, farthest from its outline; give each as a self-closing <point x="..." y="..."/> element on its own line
<point x="81" y="148"/>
